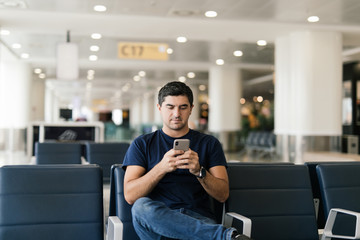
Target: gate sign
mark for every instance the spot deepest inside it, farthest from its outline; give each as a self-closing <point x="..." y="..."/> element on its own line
<point x="148" y="51"/>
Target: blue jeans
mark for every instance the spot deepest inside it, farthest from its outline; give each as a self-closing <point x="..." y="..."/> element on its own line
<point x="154" y="220"/>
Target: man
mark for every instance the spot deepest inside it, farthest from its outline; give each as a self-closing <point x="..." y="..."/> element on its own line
<point x="169" y="188"/>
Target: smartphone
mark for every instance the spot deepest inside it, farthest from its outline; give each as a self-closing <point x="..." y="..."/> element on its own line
<point x="181" y="144"/>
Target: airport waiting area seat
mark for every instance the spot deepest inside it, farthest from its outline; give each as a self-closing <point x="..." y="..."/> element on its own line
<point x="105" y="155"/>
<point x="119" y="209"/>
<point x="276" y="198"/>
<point x="260" y="143"/>
<point x="318" y="200"/>
<point x="57" y="202"/>
<point x="340" y="190"/>
<point x="58" y="153"/>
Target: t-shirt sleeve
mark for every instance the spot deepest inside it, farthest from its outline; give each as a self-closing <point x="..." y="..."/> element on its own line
<point x="216" y="154"/>
<point x="136" y="154"/>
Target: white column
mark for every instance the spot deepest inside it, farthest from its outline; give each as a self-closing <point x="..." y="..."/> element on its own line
<point x="135" y="113"/>
<point x="15" y="80"/>
<point x="147" y="108"/>
<point x="224" y="96"/>
<point x="308" y="85"/>
<point x="195" y="114"/>
<point x="157" y="115"/>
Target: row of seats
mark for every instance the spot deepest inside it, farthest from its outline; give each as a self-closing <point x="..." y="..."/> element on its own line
<point x="260" y="143"/>
<point x="275" y="201"/>
<point x="103" y="154"/>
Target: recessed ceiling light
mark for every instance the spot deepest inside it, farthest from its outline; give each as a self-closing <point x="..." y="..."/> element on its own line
<point x="313" y="19"/>
<point x="238" y="53"/>
<point x="220" y="61"/>
<point x="99" y="8"/>
<point x="191" y="75"/>
<point x="4" y="32"/>
<point x="181" y="39"/>
<point x="93" y="58"/>
<point x="96" y="36"/>
<point x="42" y="75"/>
<point x="182" y="79"/>
<point x="90" y="72"/>
<point x="25" y="55"/>
<point x="142" y="73"/>
<point x="202" y="87"/>
<point x="37" y="70"/>
<point x="94" y="48"/>
<point x="261" y="43"/>
<point x="136" y="78"/>
<point x="169" y="51"/>
<point x="210" y="14"/>
<point x="16" y="45"/>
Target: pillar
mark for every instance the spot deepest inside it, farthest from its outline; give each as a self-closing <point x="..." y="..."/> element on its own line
<point x="224" y="107"/>
<point x="15" y="80"/>
<point x="308" y="86"/>
<point x="195" y="114"/>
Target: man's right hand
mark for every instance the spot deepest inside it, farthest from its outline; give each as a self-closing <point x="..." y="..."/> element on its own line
<point x="169" y="162"/>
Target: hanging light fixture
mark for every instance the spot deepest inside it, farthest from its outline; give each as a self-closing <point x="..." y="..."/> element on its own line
<point x="67" y="60"/>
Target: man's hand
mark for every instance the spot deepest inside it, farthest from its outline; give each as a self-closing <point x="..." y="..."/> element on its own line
<point x="189" y="160"/>
<point x="170" y="161"/>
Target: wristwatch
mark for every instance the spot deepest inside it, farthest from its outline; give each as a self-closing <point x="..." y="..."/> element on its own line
<point x="202" y="173"/>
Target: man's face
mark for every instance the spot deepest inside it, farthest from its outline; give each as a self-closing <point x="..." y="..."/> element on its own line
<point x="175" y="112"/>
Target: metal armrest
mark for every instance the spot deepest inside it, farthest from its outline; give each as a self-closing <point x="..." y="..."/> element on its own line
<point x="114" y="229"/>
<point x="229" y="217"/>
<point x="327" y="234"/>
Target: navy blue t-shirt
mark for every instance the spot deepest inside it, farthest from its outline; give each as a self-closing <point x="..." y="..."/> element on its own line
<point x="178" y="189"/>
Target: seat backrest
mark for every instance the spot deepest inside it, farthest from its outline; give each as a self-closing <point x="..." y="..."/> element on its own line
<point x="340" y="188"/>
<point x="321" y="219"/>
<point x="58" y="153"/>
<point x="118" y="206"/>
<point x="106" y="155"/>
<point x="58" y="202"/>
<point x="277" y="198"/>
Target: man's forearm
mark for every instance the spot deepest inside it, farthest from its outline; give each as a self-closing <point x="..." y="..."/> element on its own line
<point x="141" y="186"/>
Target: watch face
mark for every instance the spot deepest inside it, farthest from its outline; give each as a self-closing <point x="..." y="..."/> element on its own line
<point x="203" y="172"/>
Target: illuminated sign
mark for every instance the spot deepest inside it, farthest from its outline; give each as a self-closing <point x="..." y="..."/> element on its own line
<point x="148" y="51"/>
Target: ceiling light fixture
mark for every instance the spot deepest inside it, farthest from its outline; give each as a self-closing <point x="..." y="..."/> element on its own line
<point x="4" y="32"/>
<point x="96" y="36"/>
<point x="94" y="48"/>
<point x="220" y="61"/>
<point x="136" y="78"/>
<point x="93" y="58"/>
<point x="261" y="43"/>
<point x="142" y="73"/>
<point x="182" y="79"/>
<point x="210" y="14"/>
<point x="25" y="55"/>
<point x="181" y="39"/>
<point x="238" y="53"/>
<point x="169" y="51"/>
<point x="37" y="70"/>
<point x="313" y="19"/>
<point x="191" y="75"/>
<point x="99" y="8"/>
<point x="16" y="45"/>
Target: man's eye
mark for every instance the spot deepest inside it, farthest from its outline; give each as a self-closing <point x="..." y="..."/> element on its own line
<point x="183" y="107"/>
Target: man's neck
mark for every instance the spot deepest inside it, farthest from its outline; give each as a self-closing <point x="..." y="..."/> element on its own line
<point x="175" y="133"/>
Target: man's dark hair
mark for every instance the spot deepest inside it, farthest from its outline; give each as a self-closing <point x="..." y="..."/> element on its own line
<point x="175" y="89"/>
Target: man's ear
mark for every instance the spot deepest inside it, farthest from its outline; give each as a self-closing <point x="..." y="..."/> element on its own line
<point x="158" y="106"/>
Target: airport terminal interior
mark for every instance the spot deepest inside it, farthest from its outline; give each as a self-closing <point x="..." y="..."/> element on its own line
<point x="275" y="81"/>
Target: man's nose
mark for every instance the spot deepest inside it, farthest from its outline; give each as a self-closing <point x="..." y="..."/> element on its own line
<point x="176" y="112"/>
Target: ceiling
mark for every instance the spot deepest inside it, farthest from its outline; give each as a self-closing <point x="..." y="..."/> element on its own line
<point x="40" y="25"/>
